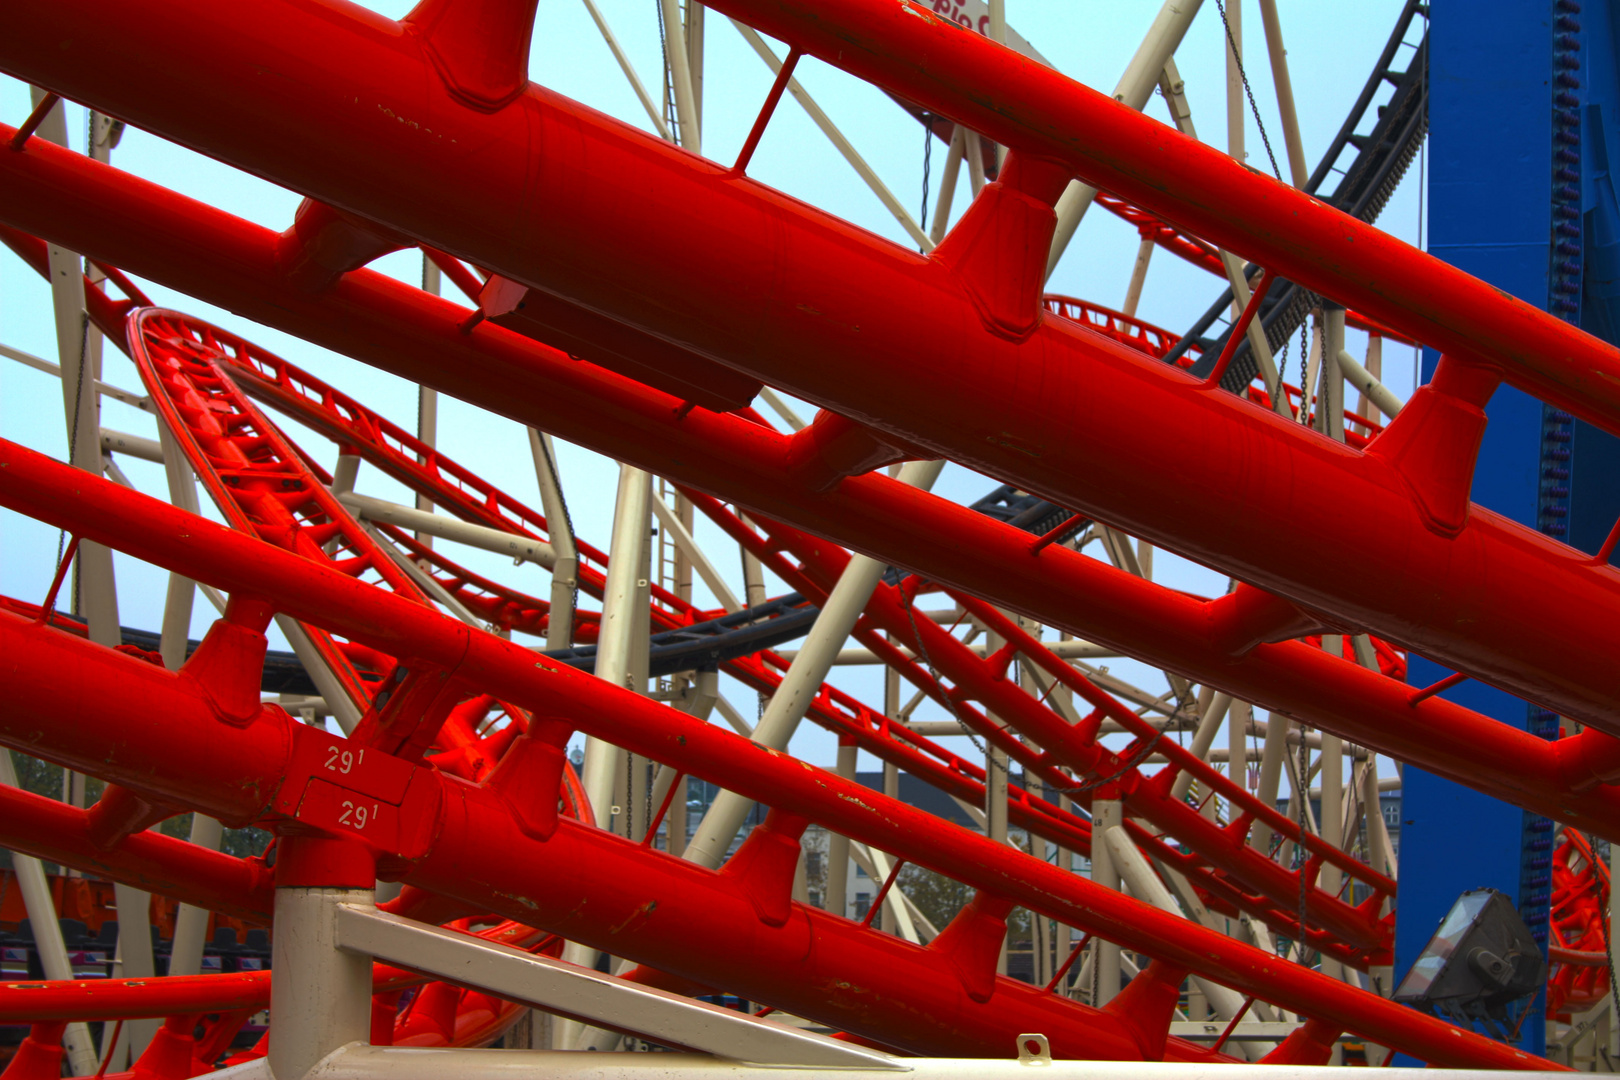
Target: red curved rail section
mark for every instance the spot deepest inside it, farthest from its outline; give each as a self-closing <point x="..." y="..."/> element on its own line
<point x="196" y="248"/>
<point x="1356" y="935"/>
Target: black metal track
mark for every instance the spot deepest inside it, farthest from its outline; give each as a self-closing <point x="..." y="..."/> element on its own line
<point x="1380" y="161"/>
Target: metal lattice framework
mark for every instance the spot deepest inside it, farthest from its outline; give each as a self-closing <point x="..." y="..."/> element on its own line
<point x="440" y="866"/>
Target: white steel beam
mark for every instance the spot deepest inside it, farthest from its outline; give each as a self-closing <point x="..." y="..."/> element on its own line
<point x="565" y="570"/>
<point x="1134" y="88"/>
<point x="700" y="562"/>
<point x="482" y="537"/>
<point x="53" y="957"/>
<point x="104" y="389"/>
<point x="321" y="995"/>
<point x="803" y="681"/>
<point x="589" y="996"/>
<point x="410" y="1063"/>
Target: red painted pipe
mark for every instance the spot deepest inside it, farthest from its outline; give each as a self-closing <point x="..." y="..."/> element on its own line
<point x="61" y="839"/>
<point x="59" y="833"/>
<point x="207" y="253"/>
<point x="980" y="679"/>
<point x="905" y="48"/>
<point x="690" y="253"/>
<point x="582" y="882"/>
<point x="249" y="777"/>
<point x="101" y="52"/>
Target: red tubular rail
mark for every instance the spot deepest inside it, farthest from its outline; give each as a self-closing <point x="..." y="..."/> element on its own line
<point x="64" y="840"/>
<point x="202" y="251"/>
<point x="905" y="48"/>
<point x="639" y="241"/>
<point x="99" y="52"/>
<point x="145" y="728"/>
<point x="445" y="482"/>
<point x="346" y="421"/>
<point x="585" y="883"/>
<point x="161" y="864"/>
<point x="983" y="679"/>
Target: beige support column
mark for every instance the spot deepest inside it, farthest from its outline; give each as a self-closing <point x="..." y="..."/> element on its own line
<point x="1133" y="291"/>
<point x="93" y="592"/>
<point x="1105" y="814"/>
<point x="1297" y="169"/>
<point x="427" y="398"/>
<point x="1134" y="89"/>
<point x="1236" y="105"/>
<point x="837" y="900"/>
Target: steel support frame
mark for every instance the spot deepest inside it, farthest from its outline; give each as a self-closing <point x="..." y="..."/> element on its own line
<point x="213" y="255"/>
<point x="474" y="837"/>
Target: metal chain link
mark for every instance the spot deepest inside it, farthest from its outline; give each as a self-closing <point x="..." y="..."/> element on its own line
<point x="1253" y="108"/>
<point x="928" y="154"/>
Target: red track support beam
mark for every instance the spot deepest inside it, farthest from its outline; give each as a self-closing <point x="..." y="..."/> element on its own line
<point x="207" y="253"/>
<point x="907" y="49"/>
<point x="673" y="246"/>
<point x="54" y="831"/>
<point x="450" y="838"/>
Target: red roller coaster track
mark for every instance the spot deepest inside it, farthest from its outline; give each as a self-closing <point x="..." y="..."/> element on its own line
<point x="635" y="298"/>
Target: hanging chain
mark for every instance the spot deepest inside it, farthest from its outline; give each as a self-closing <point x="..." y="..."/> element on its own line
<point x="1253" y="108"/>
<point x="928" y="153"/>
<point x="1304" y="818"/>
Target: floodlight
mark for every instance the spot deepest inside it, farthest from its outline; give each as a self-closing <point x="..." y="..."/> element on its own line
<point x="1482" y="959"/>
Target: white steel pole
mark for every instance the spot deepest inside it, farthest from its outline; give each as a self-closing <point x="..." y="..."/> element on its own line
<point x="565" y="567"/>
<point x="1135" y="87"/>
<point x="802" y="682"/>
<point x="1133" y="291"/>
<point x="1285" y="92"/>
<point x="321" y="995"/>
<point x="1105" y="814"/>
<point x="1145" y="886"/>
<point x="1237" y="744"/>
<point x="94" y="594"/>
<point x="427" y="398"/>
<point x="653" y="113"/>
<point x="691" y="135"/>
<point x="998" y="34"/>
<point x="1366" y="381"/>
<point x="837" y="900"/>
<point x="1272" y="753"/>
<point x="1208" y="725"/>
<point x="53" y="957"/>
<point x="1232" y="46"/>
<point x="604" y="765"/>
<point x="617" y="637"/>
<point x="947" y="184"/>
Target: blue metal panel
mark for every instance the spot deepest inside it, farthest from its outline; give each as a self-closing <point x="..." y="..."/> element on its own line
<point x="1490" y="212"/>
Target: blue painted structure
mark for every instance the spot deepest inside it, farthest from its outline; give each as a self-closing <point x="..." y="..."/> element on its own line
<point x="1523" y="102"/>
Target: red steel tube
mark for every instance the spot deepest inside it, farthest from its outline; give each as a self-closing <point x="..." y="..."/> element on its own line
<point x="207" y="253"/>
<point x="432" y="810"/>
<point x="905" y="48"/>
<point x="56" y="832"/>
<point x="731" y="270"/>
<point x="130" y="999"/>
<point x="102" y="52"/>
<point x="583" y="882"/>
